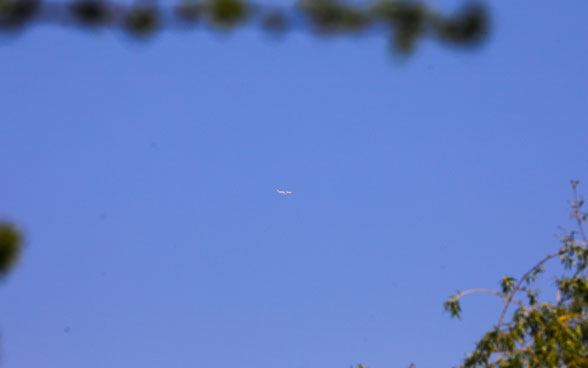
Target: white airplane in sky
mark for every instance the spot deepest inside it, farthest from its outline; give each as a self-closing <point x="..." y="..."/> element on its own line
<point x="283" y="191"/>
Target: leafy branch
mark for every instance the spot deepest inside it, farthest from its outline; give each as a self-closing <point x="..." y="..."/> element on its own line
<point x="404" y="20"/>
<point x="540" y="334"/>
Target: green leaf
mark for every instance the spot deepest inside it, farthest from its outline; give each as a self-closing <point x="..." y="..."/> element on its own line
<point x="452" y="306"/>
<point x="507" y="283"/>
<point x="532" y="296"/>
<point x="142" y="21"/>
<point x="227" y="13"/>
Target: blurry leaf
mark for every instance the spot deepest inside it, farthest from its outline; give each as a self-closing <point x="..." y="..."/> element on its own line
<point x="406" y="16"/>
<point x="227" y="13"/>
<point x="90" y="12"/>
<point x="330" y="16"/>
<point x="566" y="261"/>
<point x="532" y="296"/>
<point x="16" y="13"/>
<point x="470" y="26"/>
<point x="452" y="306"/>
<point x="142" y="21"/>
<point x="507" y="283"/>
<point x="10" y="247"/>
<point x="407" y="19"/>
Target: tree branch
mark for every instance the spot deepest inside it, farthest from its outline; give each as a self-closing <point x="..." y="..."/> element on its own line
<point x="518" y="286"/>
<point x="577" y="212"/>
<point x="491" y="291"/>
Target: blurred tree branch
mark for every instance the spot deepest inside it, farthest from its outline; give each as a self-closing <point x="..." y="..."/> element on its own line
<point x="404" y="21"/>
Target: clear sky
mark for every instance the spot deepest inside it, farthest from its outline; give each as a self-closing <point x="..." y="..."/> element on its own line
<point x="144" y="176"/>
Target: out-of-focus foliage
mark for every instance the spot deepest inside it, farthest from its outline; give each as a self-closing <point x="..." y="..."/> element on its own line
<point x="10" y="247"/>
<point x="404" y="21"/>
<point x="540" y="334"/>
<point x="226" y="13"/>
<point x="142" y="20"/>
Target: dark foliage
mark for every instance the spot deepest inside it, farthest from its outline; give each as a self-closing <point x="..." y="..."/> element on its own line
<point x="405" y="21"/>
<point x="10" y="247"/>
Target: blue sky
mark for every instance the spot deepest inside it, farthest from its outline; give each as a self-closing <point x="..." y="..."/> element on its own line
<point x="144" y="176"/>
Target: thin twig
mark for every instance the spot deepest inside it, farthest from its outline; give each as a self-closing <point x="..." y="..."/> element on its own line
<point x="518" y="286"/>
<point x="491" y="291"/>
<point x="577" y="216"/>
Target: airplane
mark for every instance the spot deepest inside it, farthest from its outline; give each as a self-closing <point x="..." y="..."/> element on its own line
<point x="283" y="191"/>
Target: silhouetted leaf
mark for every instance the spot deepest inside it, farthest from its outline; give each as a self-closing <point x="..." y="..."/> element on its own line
<point x="142" y="21"/>
<point x="10" y="247"/>
<point x="90" y="12"/>
<point x="227" y="13"/>
<point x="16" y="13"/>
